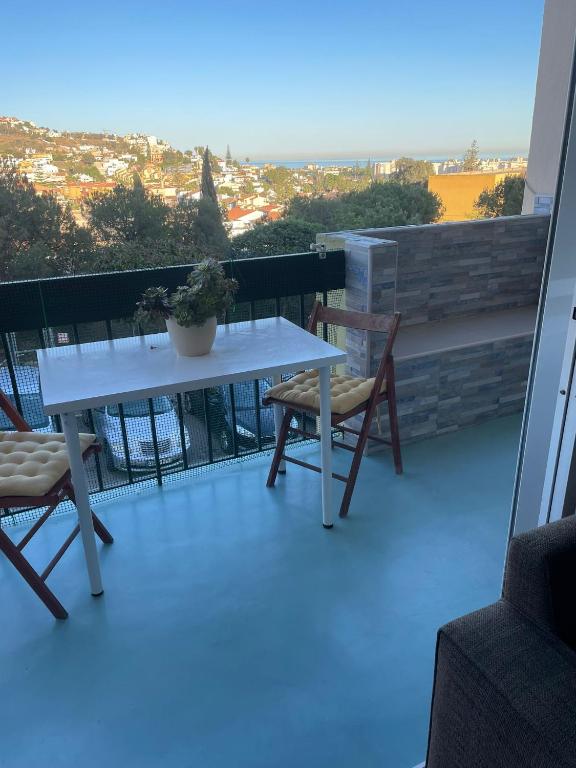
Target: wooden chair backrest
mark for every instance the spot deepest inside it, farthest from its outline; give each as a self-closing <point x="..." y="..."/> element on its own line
<point x="19" y="421"/>
<point x="361" y="321"/>
<point x="349" y="318"/>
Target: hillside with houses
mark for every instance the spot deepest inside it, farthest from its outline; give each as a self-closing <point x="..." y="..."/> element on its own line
<point x="73" y="166"/>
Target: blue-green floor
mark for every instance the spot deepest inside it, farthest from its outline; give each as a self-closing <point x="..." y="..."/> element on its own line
<point x="235" y="632"/>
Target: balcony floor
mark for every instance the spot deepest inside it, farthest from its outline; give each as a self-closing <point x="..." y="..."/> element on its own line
<point x="236" y="631"/>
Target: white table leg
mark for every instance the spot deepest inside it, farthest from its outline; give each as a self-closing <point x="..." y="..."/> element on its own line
<point x="326" y="446"/>
<point x="80" y="484"/>
<point x="278" y="416"/>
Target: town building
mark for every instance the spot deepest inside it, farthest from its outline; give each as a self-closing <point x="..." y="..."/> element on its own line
<point x="459" y="191"/>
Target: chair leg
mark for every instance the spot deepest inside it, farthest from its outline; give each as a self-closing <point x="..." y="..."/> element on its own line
<point x="280" y="445"/>
<point x="394" y="431"/>
<point x="99" y="527"/>
<point x="358" y="453"/>
<point x="101" y="530"/>
<point x="31" y="577"/>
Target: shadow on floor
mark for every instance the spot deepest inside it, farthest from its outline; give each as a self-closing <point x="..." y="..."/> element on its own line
<point x="236" y="631"/>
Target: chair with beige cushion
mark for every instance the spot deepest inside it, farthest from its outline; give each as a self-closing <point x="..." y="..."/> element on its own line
<point x="34" y="472"/>
<point x="350" y="396"/>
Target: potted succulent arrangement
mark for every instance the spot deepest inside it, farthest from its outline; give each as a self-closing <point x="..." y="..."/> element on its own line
<point x="191" y="311"/>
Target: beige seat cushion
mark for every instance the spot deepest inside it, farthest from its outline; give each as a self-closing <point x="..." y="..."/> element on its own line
<point x="31" y="463"/>
<point x="303" y="391"/>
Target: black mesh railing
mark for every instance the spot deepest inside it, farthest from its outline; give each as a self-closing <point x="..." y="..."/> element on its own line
<point x="151" y="440"/>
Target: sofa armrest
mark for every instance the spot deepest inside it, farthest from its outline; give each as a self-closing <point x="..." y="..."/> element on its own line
<point x="539" y="577"/>
<point x="504" y="694"/>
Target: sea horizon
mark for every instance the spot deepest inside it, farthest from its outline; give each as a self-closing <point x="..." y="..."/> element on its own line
<point x="362" y="161"/>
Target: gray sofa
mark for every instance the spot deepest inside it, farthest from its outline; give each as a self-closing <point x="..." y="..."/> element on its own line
<point x="505" y="678"/>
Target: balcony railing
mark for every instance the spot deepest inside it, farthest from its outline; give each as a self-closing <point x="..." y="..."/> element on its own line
<point x="467" y="292"/>
<point x="146" y="441"/>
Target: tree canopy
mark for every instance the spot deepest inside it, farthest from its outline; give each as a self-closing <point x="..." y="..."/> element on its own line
<point x="132" y="227"/>
<point x="129" y="228"/>
<point x="135" y="228"/>
<point x="207" y="184"/>
<point x="410" y="171"/>
<point x="127" y="214"/>
<point x="471" y="161"/>
<point x="38" y="235"/>
<point x="504" y="200"/>
<point x="274" y="238"/>
<point x="197" y="225"/>
<point x="388" y="204"/>
<point x="282" y="181"/>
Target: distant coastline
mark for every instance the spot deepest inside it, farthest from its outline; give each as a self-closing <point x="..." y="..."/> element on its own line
<point x="361" y="162"/>
<point x="320" y="163"/>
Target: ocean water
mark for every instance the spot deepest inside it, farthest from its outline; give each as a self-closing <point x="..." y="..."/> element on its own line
<point x="322" y="163"/>
<point x="361" y="162"/>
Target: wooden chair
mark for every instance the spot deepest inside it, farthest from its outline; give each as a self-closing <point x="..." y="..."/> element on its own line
<point x="34" y="472"/>
<point x="350" y="396"/>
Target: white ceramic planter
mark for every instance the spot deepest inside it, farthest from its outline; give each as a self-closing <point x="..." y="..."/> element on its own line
<point x="193" y="341"/>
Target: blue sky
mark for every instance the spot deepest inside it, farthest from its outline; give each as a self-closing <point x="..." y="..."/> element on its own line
<point x="279" y="79"/>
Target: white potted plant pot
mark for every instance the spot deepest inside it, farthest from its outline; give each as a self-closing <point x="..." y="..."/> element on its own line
<point x="192" y="341"/>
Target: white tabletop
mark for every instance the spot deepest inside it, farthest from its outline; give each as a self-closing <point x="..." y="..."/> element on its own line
<point x="104" y="372"/>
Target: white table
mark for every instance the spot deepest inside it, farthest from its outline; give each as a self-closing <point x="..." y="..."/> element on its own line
<point x="107" y="372"/>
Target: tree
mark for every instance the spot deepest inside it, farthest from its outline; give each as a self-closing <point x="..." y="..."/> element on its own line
<point x="89" y="170"/>
<point x="172" y="157"/>
<point x="135" y="229"/>
<point x="193" y="231"/>
<point x="281" y="180"/>
<point x="504" y="200"/>
<point x="120" y="256"/>
<point x="228" y="154"/>
<point x="274" y="238"/>
<point x="196" y="226"/>
<point x="127" y="214"/>
<point x="471" y="161"/>
<point x="38" y="235"/>
<point x="411" y="171"/>
<point x="207" y="184"/>
<point x="388" y="204"/>
<point x="208" y="227"/>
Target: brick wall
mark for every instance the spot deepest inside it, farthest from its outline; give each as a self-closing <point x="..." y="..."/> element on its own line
<point x="462" y="268"/>
<point x="443" y="392"/>
<point x="437" y="273"/>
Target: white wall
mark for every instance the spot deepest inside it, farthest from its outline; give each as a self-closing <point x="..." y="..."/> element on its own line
<point x="554" y="331"/>
<point x="556" y="51"/>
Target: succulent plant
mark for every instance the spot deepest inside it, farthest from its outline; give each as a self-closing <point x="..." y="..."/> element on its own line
<point x="154" y="305"/>
<point x="208" y="292"/>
